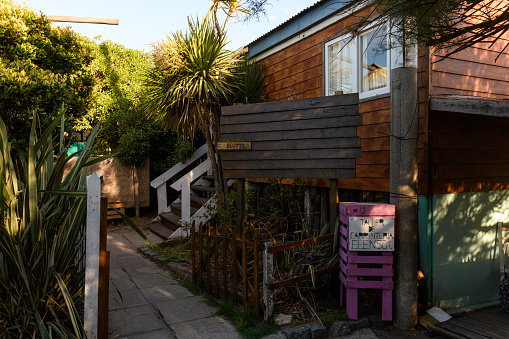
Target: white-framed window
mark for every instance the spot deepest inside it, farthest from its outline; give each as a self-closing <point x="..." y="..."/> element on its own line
<point x="358" y="65"/>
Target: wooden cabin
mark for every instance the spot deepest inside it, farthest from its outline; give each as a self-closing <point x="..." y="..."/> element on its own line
<point x="463" y="133"/>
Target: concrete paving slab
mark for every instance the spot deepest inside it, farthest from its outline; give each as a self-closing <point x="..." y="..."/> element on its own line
<point x="126" y="299"/>
<point x="158" y="334"/>
<point x="117" y="272"/>
<point x="365" y="333"/>
<point x="185" y="309"/>
<point x="134" y="320"/>
<point x="160" y="294"/>
<point x="210" y="328"/>
<point x="152" y="280"/>
<point x="121" y="284"/>
<point x="135" y="271"/>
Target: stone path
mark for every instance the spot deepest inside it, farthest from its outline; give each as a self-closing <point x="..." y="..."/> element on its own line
<point x="147" y="303"/>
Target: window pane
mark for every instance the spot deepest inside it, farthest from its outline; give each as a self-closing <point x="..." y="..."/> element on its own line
<point x="374" y="59"/>
<point x="340" y="67"/>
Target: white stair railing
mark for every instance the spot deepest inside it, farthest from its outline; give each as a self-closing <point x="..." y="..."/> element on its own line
<point x="159" y="183"/>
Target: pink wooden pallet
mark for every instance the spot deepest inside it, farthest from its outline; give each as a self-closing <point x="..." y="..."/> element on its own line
<point x="358" y="269"/>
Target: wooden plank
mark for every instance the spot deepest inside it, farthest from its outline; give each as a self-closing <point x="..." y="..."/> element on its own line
<point x="470" y="156"/>
<point x="372" y="171"/>
<point x="468" y="83"/>
<point x="294" y="115"/>
<point x="374" y="131"/>
<point x="493" y="329"/>
<point x="104" y="294"/>
<point x="301" y="243"/>
<point x="253" y="165"/>
<point x="370" y="184"/>
<point x="82" y="19"/>
<point x="460" y="331"/>
<point x="303" y="144"/>
<point x="279" y="106"/>
<point x="304" y="277"/>
<point x="321" y="133"/>
<point x="300" y="63"/>
<point x="376" y="144"/>
<point x="374" y="105"/>
<point x="313" y="68"/>
<point x="331" y="153"/>
<point x="490" y="108"/>
<point x="374" y="158"/>
<point x="293" y="125"/>
<point x="291" y="173"/>
<point x="442" y="186"/>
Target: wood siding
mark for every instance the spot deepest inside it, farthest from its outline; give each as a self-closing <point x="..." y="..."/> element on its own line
<point x="475" y="71"/>
<point x="307" y="138"/>
<point x="469" y="153"/>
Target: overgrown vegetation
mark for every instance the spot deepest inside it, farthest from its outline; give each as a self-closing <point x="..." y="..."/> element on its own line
<point x="44" y="211"/>
<point x="244" y="319"/>
<point x="41" y="67"/>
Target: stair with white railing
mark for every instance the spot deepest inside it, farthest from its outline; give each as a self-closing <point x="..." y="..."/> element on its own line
<point x="194" y="202"/>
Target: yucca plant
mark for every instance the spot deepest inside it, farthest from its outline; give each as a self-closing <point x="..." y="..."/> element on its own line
<point x="43" y="215"/>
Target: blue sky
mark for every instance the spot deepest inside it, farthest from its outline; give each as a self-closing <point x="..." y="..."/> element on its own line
<point x="144" y="21"/>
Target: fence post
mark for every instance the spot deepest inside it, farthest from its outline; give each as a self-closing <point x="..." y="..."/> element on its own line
<point x="268" y="278"/>
<point x="92" y="255"/>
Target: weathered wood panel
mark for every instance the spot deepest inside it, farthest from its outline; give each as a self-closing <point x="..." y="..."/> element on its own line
<point x="468" y="152"/>
<point x="312" y="138"/>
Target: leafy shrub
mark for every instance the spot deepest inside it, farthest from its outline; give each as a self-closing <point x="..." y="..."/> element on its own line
<point x="43" y="213"/>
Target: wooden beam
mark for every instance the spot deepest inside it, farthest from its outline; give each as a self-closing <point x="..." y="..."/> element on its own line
<point x="479" y="107"/>
<point x="82" y="19"/>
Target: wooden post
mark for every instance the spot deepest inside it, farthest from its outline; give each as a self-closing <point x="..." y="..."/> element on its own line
<point x="333" y="191"/>
<point x="225" y="262"/>
<point x="200" y="255"/>
<point x="234" y="265"/>
<point x="255" y="274"/>
<point x="268" y="278"/>
<point x="208" y="258"/>
<point x="162" y="201"/>
<point x="193" y="252"/>
<point x="186" y="201"/>
<point x="240" y="207"/>
<point x="104" y="273"/>
<point x="216" y="260"/>
<point x="244" y="268"/>
<point x="136" y="190"/>
<point x="92" y="256"/>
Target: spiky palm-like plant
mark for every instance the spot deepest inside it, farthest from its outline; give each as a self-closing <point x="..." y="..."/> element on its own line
<point x="194" y="72"/>
<point x="43" y="215"/>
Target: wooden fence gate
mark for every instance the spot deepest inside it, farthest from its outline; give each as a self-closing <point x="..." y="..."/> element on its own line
<point x="225" y="265"/>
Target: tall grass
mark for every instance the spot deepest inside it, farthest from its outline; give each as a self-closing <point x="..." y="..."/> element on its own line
<point x="43" y="215"/>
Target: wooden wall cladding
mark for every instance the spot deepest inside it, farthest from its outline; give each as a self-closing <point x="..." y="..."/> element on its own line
<point x="469" y="153"/>
<point x="307" y="138"/>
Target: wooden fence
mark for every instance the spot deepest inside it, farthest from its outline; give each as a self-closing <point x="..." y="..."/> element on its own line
<point x="225" y="265"/>
<point x="269" y="285"/>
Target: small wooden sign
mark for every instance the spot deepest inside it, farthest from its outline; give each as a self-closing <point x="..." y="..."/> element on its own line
<point x="233" y="146"/>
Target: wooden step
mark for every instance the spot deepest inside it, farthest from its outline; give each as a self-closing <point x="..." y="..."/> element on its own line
<point x="196" y="202"/>
<point x="208" y="177"/>
<point x="162" y="231"/>
<point x="170" y="220"/>
<point x="203" y="188"/>
<point x="176" y="208"/>
<point x="119" y="205"/>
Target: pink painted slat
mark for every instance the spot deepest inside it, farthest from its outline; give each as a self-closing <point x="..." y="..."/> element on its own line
<point x="370" y="272"/>
<point x="387" y="294"/>
<point x="345" y="219"/>
<point x="343" y="242"/>
<point x="351" y="303"/>
<point x="342" y="254"/>
<point x="366" y="209"/>
<point x="344" y="231"/>
<point x="369" y="284"/>
<point x="370" y="259"/>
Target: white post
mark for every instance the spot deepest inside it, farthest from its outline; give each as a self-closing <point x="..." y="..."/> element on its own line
<point x="92" y="255"/>
<point x="268" y="278"/>
<point x="186" y="201"/>
<point x="162" y="202"/>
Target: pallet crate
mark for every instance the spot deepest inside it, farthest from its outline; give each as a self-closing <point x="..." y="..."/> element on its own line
<point x="365" y="268"/>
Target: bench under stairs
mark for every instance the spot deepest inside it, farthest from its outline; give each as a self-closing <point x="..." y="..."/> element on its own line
<point x="196" y="196"/>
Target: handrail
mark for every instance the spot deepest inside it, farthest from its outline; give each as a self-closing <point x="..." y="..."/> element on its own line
<point x="192" y="175"/>
<point x="178" y="167"/>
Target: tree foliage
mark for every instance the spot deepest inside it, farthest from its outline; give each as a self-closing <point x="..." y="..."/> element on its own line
<point x="453" y="25"/>
<point x="41" y="67"/>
